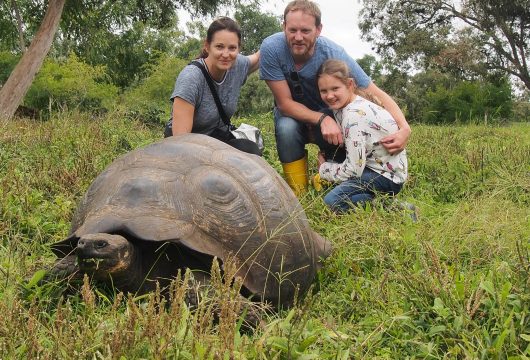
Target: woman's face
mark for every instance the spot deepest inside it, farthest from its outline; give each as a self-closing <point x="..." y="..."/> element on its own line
<point x="335" y="93"/>
<point x="223" y="49"/>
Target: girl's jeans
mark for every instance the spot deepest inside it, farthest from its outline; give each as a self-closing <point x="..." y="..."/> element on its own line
<point x="358" y="191"/>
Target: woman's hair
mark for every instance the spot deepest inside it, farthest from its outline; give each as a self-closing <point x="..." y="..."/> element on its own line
<point x="305" y="6"/>
<point x="221" y="23"/>
<point x="336" y="68"/>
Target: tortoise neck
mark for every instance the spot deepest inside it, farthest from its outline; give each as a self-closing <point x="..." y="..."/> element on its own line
<point x="130" y="279"/>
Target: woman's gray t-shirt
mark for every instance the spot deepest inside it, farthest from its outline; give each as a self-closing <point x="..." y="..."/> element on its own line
<point x="192" y="87"/>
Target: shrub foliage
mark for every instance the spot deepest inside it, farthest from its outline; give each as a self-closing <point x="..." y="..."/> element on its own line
<point x="467" y="102"/>
<point x="71" y="84"/>
<point x="149" y="101"/>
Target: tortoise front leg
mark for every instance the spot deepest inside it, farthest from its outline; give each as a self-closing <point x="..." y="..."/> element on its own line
<point x="65" y="268"/>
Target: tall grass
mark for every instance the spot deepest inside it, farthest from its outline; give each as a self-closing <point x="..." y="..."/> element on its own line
<point x="452" y="285"/>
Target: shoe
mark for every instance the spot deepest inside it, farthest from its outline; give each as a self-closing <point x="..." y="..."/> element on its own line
<point x="296" y="175"/>
<point x="409" y="208"/>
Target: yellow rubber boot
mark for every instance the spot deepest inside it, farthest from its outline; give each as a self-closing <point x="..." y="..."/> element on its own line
<point x="296" y="175"/>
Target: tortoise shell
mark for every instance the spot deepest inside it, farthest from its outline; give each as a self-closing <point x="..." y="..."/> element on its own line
<point x="200" y="193"/>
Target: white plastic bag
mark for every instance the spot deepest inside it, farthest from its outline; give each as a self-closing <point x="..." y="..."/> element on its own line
<point x="249" y="132"/>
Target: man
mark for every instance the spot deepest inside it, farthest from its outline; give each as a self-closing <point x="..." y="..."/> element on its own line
<point x="289" y="63"/>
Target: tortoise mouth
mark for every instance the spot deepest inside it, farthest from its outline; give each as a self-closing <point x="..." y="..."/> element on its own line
<point x="94" y="263"/>
<point x="89" y="262"/>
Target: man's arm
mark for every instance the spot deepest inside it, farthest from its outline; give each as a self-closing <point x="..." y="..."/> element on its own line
<point x="331" y="131"/>
<point x="396" y="142"/>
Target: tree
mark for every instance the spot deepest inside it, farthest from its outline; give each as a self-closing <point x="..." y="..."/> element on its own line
<point x="190" y="45"/>
<point x="123" y="36"/>
<point x="371" y="67"/>
<point x="80" y="19"/>
<point x="472" y="38"/>
<point x="255" y="26"/>
<point x="18" y="83"/>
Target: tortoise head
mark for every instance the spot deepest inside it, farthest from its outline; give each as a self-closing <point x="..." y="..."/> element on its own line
<point x="104" y="254"/>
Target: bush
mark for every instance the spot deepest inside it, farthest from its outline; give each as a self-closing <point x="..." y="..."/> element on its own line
<point x="71" y="84"/>
<point x="255" y="97"/>
<point x="521" y="111"/>
<point x="8" y="61"/>
<point x="149" y="101"/>
<point x="468" y="101"/>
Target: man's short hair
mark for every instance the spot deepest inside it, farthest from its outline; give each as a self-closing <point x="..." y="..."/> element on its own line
<point x="307" y="7"/>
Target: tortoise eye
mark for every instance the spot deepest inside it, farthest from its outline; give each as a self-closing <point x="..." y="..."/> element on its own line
<point x="101" y="244"/>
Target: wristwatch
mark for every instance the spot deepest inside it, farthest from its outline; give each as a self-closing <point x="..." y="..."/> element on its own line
<point x="322" y="117"/>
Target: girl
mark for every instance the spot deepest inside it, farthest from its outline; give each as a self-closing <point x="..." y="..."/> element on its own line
<point x="368" y="168"/>
<point x="194" y="108"/>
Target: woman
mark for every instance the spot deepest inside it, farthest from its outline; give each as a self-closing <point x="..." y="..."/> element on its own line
<point x="368" y="168"/>
<point x="194" y="108"/>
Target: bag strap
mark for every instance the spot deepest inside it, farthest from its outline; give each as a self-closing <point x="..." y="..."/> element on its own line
<point x="209" y="80"/>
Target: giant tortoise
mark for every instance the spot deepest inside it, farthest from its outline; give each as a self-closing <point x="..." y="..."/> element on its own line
<point x="183" y="201"/>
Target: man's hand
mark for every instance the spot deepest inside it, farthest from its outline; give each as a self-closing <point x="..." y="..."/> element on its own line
<point x="331" y="131"/>
<point x="396" y="142"/>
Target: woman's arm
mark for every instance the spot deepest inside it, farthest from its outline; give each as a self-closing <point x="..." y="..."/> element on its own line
<point x="182" y="116"/>
<point x="254" y="62"/>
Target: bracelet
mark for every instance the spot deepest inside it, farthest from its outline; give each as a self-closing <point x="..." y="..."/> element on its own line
<point x="322" y="117"/>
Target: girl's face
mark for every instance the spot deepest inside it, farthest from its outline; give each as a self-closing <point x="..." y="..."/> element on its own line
<point x="223" y="49"/>
<point x="334" y="92"/>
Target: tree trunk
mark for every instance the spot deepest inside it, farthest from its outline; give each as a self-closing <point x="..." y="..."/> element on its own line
<point x="18" y="83"/>
<point x="19" y="26"/>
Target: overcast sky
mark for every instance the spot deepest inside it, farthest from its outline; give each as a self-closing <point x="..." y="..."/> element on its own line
<point x="339" y="20"/>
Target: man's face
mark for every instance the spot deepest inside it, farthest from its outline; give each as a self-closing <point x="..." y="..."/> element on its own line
<point x="301" y="34"/>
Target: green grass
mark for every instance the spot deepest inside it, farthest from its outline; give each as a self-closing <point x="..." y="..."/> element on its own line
<point x="453" y="285"/>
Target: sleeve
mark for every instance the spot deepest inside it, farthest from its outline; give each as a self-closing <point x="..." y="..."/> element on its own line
<point x="355" y="162"/>
<point x="245" y="66"/>
<point x="269" y="61"/>
<point x="189" y="85"/>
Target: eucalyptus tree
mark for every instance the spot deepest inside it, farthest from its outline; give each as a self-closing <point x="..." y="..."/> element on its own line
<point x="467" y="37"/>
